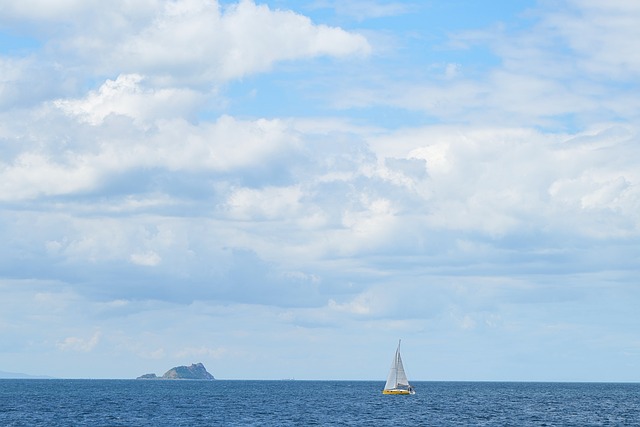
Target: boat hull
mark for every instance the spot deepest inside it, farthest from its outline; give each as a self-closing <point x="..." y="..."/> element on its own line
<point x="397" y="391"/>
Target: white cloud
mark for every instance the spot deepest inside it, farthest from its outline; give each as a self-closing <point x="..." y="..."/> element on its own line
<point x="181" y="42"/>
<point x="358" y="306"/>
<point x="116" y="146"/>
<point x="80" y="344"/>
<point x="264" y="204"/>
<point x="33" y="174"/>
<point x="601" y="34"/>
<point x="125" y="96"/>
<point x="10" y="70"/>
<point x="42" y="10"/>
<point x="148" y="259"/>
<point x="372" y="224"/>
<point x="495" y="180"/>
<point x="576" y="61"/>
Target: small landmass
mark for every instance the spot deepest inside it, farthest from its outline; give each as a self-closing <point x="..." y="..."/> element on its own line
<point x="196" y="371"/>
<point x="148" y="377"/>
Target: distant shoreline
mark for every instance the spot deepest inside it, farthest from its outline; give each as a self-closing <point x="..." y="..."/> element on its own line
<point x="21" y="376"/>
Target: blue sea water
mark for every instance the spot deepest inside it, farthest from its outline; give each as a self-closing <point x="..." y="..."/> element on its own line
<point x="307" y="403"/>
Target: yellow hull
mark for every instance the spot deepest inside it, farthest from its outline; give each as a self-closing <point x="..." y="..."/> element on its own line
<point x="396" y="392"/>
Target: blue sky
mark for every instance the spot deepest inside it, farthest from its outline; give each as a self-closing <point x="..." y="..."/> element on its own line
<point x="284" y="189"/>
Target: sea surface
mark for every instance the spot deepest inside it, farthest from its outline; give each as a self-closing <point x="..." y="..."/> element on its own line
<point x="30" y="402"/>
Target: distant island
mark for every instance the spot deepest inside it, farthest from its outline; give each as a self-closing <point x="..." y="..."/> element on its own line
<point x="197" y="371"/>
<point x="16" y="375"/>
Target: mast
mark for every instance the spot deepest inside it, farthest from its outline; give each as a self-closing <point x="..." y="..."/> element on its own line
<point x="398" y="360"/>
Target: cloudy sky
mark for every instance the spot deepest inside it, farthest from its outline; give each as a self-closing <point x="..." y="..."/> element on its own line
<point x="283" y="189"/>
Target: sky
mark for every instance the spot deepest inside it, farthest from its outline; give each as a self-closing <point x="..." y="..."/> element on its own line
<point x="284" y="189"/>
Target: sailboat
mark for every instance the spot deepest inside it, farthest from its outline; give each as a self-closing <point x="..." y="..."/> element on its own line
<point x="397" y="382"/>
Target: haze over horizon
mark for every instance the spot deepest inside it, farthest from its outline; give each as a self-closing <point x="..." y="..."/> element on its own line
<point x="283" y="189"/>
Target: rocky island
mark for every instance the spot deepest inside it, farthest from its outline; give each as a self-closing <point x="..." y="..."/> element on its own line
<point x="196" y="371"/>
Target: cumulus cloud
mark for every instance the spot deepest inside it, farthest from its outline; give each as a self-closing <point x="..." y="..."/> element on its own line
<point x="184" y="42"/>
<point x="407" y="193"/>
<point x="196" y="37"/>
<point x="130" y="142"/>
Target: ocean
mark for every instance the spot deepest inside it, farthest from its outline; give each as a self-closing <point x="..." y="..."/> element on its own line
<point x="29" y="402"/>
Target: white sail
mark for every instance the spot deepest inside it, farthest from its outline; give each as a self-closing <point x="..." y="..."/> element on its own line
<point x="397" y="377"/>
<point x="401" y="378"/>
